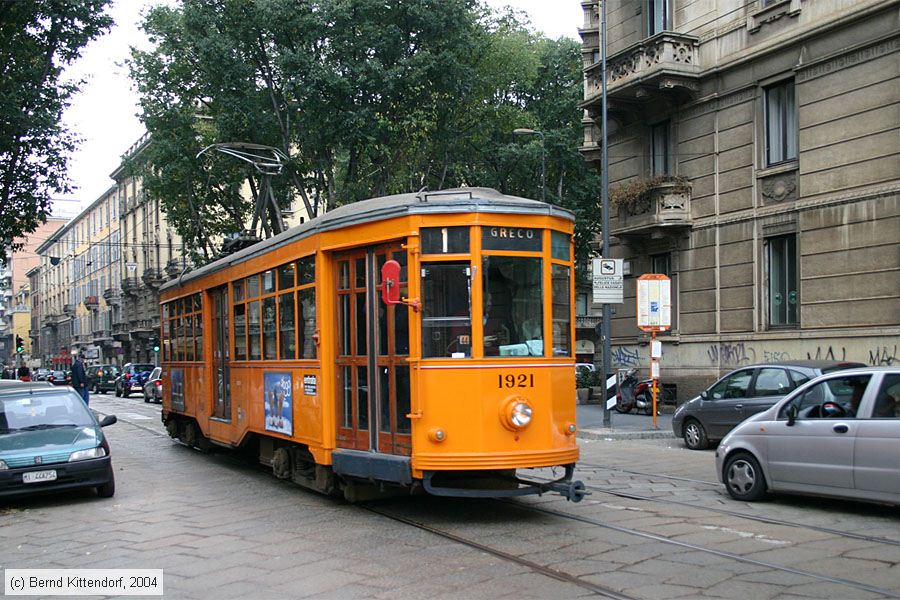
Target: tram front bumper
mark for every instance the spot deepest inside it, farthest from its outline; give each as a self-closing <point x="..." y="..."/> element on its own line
<point x="490" y="484"/>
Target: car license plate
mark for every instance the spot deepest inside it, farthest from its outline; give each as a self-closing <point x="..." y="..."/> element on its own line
<point x="38" y="476"/>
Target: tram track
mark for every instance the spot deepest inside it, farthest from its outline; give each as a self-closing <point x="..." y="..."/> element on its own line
<point x="533" y="566"/>
<point x="695" y="547"/>
<point x="628" y="495"/>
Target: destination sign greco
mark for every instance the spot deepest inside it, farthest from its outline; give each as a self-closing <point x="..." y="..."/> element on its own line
<point x="522" y="239"/>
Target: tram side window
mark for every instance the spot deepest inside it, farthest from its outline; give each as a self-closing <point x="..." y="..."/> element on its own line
<point x="253" y="330"/>
<point x="562" y="344"/>
<point x="182" y="329"/>
<point x="513" y="310"/>
<point x="240" y="332"/>
<point x="306" y="305"/>
<point x="447" y="310"/>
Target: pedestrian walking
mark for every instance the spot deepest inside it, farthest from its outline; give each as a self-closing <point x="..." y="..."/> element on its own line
<point x="79" y="379"/>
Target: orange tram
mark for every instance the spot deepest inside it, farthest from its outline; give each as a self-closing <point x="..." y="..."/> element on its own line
<point x="410" y="342"/>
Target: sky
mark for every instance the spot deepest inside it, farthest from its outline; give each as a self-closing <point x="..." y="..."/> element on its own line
<point x="104" y="113"/>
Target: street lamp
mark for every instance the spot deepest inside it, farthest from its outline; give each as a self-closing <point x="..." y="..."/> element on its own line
<point x="524" y="131"/>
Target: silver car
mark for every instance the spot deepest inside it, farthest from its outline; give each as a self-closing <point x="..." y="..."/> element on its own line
<point x="837" y="435"/>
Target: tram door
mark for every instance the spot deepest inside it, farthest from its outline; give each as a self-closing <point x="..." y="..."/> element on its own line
<point x="373" y="345"/>
<point x="221" y="376"/>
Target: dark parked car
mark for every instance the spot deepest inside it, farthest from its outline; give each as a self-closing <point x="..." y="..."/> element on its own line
<point x="59" y="378"/>
<point x="132" y="378"/>
<point x="103" y="378"/>
<point x="153" y="387"/>
<point x="50" y="441"/>
<point x="742" y="394"/>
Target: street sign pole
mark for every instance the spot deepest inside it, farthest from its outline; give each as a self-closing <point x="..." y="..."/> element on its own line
<point x="654" y="313"/>
<point x="604" y="211"/>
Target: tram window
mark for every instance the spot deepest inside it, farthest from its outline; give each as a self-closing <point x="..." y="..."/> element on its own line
<point x="347" y="381"/>
<point x="446" y="312"/>
<point x="240" y="332"/>
<point x="253" y="330"/>
<point x="401" y="374"/>
<point x="384" y="383"/>
<point x="445" y="240"/>
<point x="362" y="349"/>
<point x="288" y="350"/>
<point x="513" y="310"/>
<point x="562" y="345"/>
<point x="198" y="303"/>
<point x="268" y="282"/>
<point x="307" y="270"/>
<point x="238" y="288"/>
<point x="198" y="337"/>
<point x="307" y="307"/>
<point x="346" y="350"/>
<point x="401" y="313"/>
<point x="360" y="273"/>
<point x="269" y="329"/>
<point x="188" y="338"/>
<point x="253" y="286"/>
<point x="560" y="247"/>
<point x="362" y="397"/>
<point x="286" y="276"/>
<point x="345" y="275"/>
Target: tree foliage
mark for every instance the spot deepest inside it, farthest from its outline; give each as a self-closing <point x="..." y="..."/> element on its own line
<point x="38" y="39"/>
<point x="366" y="97"/>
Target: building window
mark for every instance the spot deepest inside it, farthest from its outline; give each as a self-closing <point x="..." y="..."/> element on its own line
<point x="782" y="267"/>
<point x="661" y="264"/>
<point x="658" y="16"/>
<point x="660" y="163"/>
<point x="781" y="123"/>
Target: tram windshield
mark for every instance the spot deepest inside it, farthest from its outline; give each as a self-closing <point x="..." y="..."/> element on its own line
<point x="513" y="307"/>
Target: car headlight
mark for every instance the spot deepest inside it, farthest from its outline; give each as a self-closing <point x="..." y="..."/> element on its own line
<point x="3" y="466"/>
<point x="516" y="413"/>
<point x="97" y="452"/>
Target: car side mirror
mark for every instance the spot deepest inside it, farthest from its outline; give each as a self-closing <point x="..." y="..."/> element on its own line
<point x="792" y="412"/>
<point x="108" y="420"/>
<point x="704" y="395"/>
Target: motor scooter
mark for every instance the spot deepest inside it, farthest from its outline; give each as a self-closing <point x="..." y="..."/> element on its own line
<point x="635" y="394"/>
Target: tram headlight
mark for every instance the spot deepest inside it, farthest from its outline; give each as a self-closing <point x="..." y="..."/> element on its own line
<point x="437" y="435"/>
<point x="516" y="413"/>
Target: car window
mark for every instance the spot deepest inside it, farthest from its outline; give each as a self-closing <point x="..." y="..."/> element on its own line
<point x="143" y="368"/>
<point x="798" y="377"/>
<point x="43" y="411"/>
<point x="835" y="398"/>
<point x="157" y="372"/>
<point x="734" y="385"/>
<point x="887" y="402"/>
<point x="772" y="382"/>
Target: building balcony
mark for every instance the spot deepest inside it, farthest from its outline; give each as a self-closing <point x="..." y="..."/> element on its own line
<point x="68" y="309"/>
<point x="131" y="286"/>
<point x="652" y="208"/>
<point x="587" y="321"/>
<point x="121" y="332"/>
<point x="662" y="66"/>
<point x="111" y="295"/>
<point x="142" y="328"/>
<point x="102" y="336"/>
<point x="153" y="278"/>
<point x="91" y="302"/>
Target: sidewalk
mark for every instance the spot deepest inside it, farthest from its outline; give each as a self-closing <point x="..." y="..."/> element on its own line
<point x="628" y="426"/>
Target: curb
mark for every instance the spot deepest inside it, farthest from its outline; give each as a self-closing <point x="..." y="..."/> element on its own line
<point x="619" y="434"/>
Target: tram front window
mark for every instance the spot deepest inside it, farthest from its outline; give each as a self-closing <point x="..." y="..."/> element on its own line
<point x="513" y="307"/>
<point x="447" y="316"/>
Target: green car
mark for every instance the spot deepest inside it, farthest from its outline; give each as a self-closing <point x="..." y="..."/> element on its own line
<point x="103" y="378"/>
<point x="51" y="442"/>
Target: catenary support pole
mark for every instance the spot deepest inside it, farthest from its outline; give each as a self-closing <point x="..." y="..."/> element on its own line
<point x="605" y="329"/>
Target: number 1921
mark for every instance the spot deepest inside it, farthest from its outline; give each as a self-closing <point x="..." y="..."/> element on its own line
<point x="515" y="381"/>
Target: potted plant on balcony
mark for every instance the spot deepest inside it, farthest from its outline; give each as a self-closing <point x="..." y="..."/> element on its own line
<point x="636" y="197"/>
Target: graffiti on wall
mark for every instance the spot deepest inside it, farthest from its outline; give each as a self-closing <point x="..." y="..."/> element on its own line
<point x="883" y="356"/>
<point x="828" y="353"/>
<point x="733" y="355"/>
<point x="625" y="357"/>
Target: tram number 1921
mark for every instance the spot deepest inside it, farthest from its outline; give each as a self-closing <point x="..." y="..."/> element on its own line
<point x="515" y="381"/>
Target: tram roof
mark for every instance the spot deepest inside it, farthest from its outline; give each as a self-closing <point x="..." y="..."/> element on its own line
<point x="458" y="200"/>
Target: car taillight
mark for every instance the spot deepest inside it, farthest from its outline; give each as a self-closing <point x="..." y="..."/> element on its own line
<point x="159" y="383"/>
<point x="127" y="376"/>
<point x="99" y="373"/>
<point x="50" y="378"/>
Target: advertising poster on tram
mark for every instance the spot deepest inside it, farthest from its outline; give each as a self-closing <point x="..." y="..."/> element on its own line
<point x="277" y="387"/>
<point x="177" y="391"/>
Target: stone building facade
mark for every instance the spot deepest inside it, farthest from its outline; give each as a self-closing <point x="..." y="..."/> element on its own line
<point x="755" y="159"/>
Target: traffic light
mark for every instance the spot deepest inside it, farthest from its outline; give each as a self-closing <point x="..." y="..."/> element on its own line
<point x="154" y="344"/>
<point x="20" y="344"/>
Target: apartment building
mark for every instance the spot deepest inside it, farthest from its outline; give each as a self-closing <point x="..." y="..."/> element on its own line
<point x="151" y="254"/>
<point x="79" y="264"/>
<point x="755" y="160"/>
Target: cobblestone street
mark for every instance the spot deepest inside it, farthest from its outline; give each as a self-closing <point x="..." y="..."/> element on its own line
<point x="655" y="526"/>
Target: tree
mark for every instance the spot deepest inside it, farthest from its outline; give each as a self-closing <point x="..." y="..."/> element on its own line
<point x="38" y="39"/>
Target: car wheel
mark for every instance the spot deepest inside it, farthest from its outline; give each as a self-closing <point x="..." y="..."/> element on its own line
<point x="744" y="478"/>
<point x="126" y="392"/>
<point x="146" y="397"/>
<point x="695" y="436"/>
<point x="118" y="392"/>
<point x="108" y="489"/>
